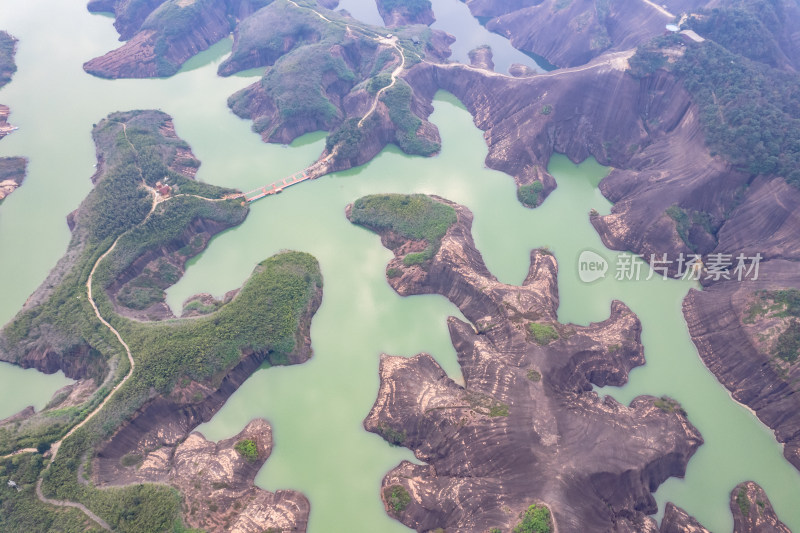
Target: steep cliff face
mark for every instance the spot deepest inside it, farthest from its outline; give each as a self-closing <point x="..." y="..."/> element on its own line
<point x="735" y="338"/>
<point x="753" y="512"/>
<point x="597" y="111"/>
<point x="162" y="34"/>
<point x="572" y="33"/>
<point x="526" y="427"/>
<point x="405" y="12"/>
<point x="171" y="34"/>
<point x="128" y="14"/>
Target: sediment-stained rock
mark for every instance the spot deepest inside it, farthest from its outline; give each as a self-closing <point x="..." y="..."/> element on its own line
<point x="12" y="173"/>
<point x="216" y="482"/>
<point x="526" y="427"/>
<point x="398" y="14"/>
<point x="676" y="520"/>
<point x="736" y="347"/>
<point x="481" y="57"/>
<point x="660" y="161"/>
<point x="572" y="33"/>
<point x="753" y="512"/>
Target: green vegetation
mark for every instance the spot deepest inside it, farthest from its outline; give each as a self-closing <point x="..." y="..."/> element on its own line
<point x="412" y="7"/>
<point x="542" y="334"/>
<point x="534" y="375"/>
<point x="546" y="109"/>
<point x="397" y="498"/>
<point x="686" y="220"/>
<point x="348" y="137"/>
<point x="415" y="216"/>
<point x="264" y="318"/>
<point x="484" y="404"/>
<point x="394" y="273"/>
<point x="379" y="82"/>
<point x="248" y="449"/>
<point x="743" y="502"/>
<point x="748" y="109"/>
<point x="529" y="194"/>
<point x="8" y="67"/>
<point x="22" y="512"/>
<point x="392" y="436"/>
<point x="296" y="86"/>
<point x="536" y="519"/>
<point x="130" y="459"/>
<point x="398" y="100"/>
<point x="781" y="303"/>
<point x="668" y="405"/>
<point x="787" y="347"/>
<point x="747" y="28"/>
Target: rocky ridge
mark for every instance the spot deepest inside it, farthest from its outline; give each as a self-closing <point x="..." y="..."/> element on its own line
<point x="592" y="461"/>
<point x="569" y="34"/>
<point x="396" y="13"/>
<point x="649" y="131"/>
<point x="753" y="512"/>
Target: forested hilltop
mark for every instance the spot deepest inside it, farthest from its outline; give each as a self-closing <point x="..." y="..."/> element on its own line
<point x="134" y="231"/>
<point x="743" y="83"/>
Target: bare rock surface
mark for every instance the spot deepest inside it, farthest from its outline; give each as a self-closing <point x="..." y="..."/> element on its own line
<point x="753" y="512"/>
<point x="526" y="427"/>
<point x="403" y="15"/>
<point x="216" y="482"/>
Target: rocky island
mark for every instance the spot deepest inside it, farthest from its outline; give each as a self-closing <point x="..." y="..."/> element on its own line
<point x="12" y="169"/>
<point x="144" y="384"/>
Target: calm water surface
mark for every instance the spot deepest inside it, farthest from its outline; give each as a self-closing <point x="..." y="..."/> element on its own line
<point x="316" y="409"/>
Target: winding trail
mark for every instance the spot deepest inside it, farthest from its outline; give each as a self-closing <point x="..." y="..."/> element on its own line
<point x="56" y="445"/>
<point x="62" y="503"/>
<point x="395" y="73"/>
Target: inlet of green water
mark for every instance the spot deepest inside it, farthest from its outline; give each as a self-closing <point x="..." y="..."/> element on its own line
<point x="454" y="17"/>
<point x="316" y="408"/>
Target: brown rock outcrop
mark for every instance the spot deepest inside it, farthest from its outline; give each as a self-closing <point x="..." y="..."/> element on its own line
<point x="216" y="482"/>
<point x="649" y="131"/>
<point x="753" y="512"/>
<point x="402" y="15"/>
<point x="526" y="427"/>
<point x="481" y="57"/>
<point x="676" y="520"/>
<point x="12" y="173"/>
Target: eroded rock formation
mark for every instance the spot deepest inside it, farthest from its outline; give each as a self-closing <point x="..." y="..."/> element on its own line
<point x="216" y="482"/>
<point x="526" y="427"/>
<point x="402" y="14"/>
<point x="753" y="512"/>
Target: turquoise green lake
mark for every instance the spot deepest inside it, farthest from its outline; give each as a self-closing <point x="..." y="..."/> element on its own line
<point x="316" y="409"/>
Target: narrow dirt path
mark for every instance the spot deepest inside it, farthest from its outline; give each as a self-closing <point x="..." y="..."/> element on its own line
<point x="61" y="503"/>
<point x="56" y="445"/>
<point x="395" y="73"/>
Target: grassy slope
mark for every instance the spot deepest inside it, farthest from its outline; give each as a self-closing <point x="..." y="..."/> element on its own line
<point x="264" y="317"/>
